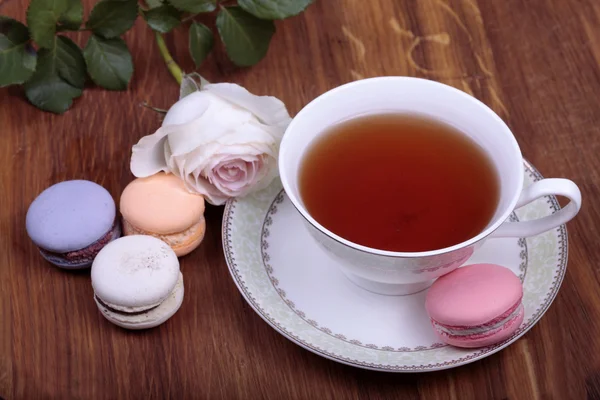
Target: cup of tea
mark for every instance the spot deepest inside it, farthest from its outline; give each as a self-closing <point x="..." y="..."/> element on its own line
<point x="402" y="179"/>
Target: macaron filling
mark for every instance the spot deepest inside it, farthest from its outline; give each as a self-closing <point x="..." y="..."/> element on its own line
<point x="176" y="239"/>
<point x="139" y="316"/>
<point x="85" y="255"/>
<point x="140" y="310"/>
<point x="487" y="328"/>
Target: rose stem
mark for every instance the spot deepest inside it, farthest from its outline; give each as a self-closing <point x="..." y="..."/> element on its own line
<point x="158" y="110"/>
<point x="171" y="64"/>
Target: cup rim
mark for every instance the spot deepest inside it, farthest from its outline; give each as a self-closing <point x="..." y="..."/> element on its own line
<point x="285" y="180"/>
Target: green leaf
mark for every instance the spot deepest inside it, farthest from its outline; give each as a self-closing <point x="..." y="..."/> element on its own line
<point x="42" y="16"/>
<point x="69" y="62"/>
<point x="50" y="93"/>
<point x="246" y="37"/>
<point x="194" y="6"/>
<point x="17" y="57"/>
<point x="73" y="17"/>
<point x="66" y="61"/>
<point x="274" y="9"/>
<point x="46" y="89"/>
<point x="201" y="42"/>
<point x="112" y="18"/>
<point x="108" y="62"/>
<point x="163" y="19"/>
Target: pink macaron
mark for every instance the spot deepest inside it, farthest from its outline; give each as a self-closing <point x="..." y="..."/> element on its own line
<point x="476" y="305"/>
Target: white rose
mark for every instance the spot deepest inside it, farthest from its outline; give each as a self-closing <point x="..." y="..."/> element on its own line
<point x="222" y="141"/>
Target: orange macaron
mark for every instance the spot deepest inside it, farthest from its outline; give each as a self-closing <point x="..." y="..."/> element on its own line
<point x="161" y="206"/>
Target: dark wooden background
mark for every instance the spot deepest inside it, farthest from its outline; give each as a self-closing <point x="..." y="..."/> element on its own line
<point x="535" y="62"/>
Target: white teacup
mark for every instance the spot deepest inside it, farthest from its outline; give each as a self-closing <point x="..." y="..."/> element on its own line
<point x="388" y="272"/>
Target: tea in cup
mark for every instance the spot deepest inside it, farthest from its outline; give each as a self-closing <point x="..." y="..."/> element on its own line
<point x="404" y="178"/>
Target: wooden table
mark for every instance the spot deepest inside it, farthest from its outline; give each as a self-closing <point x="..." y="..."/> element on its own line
<point x="536" y="63"/>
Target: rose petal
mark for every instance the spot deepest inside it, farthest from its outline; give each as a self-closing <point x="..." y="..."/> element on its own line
<point x="268" y="109"/>
<point x="231" y="172"/>
<point x="148" y="155"/>
<point x="266" y="173"/>
<point x="200" y="185"/>
<point x="187" y="109"/>
<point x="233" y="175"/>
<point x="213" y="126"/>
<point x="151" y="155"/>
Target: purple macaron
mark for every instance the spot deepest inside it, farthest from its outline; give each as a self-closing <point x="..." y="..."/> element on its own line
<point x="71" y="222"/>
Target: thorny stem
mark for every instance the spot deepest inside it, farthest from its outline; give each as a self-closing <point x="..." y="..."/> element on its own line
<point x="158" y="110"/>
<point x="171" y="64"/>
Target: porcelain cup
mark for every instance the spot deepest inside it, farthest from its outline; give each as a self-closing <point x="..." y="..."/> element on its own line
<point x="398" y="273"/>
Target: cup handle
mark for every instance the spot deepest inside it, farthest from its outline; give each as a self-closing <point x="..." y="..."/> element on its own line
<point x="544" y="187"/>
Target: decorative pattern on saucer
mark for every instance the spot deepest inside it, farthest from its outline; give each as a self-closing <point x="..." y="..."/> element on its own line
<point x="284" y="276"/>
<point x="266" y="258"/>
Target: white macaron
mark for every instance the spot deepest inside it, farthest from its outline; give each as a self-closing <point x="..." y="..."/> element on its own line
<point x="137" y="283"/>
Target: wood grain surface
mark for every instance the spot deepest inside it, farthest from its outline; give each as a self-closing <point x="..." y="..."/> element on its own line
<point x="536" y="63"/>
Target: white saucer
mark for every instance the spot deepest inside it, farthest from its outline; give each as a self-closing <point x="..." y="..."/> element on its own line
<point x="300" y="291"/>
